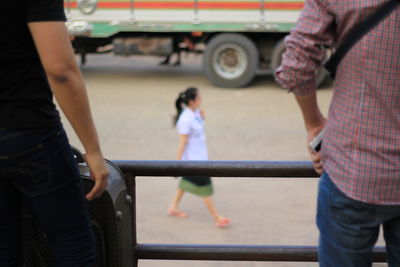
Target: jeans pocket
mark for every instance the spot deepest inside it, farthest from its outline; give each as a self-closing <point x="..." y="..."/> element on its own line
<point x="347" y="211"/>
<point x="33" y="171"/>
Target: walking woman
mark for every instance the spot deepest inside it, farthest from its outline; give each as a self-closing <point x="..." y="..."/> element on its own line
<point x="192" y="146"/>
<point x="37" y="166"/>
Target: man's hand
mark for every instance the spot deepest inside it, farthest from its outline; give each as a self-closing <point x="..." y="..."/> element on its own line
<point x="315" y="157"/>
<point x="99" y="172"/>
<point x="314" y="122"/>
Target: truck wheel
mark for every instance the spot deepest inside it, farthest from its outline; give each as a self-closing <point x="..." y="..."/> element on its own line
<point x="321" y="74"/>
<point x="230" y="60"/>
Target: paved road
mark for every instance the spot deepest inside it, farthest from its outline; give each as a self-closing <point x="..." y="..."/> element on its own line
<point x="133" y="105"/>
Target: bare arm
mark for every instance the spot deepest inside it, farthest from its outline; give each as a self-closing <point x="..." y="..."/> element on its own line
<point x="183" y="139"/>
<point x="305" y="52"/>
<point x="57" y="56"/>
<point x="314" y="122"/>
<point x="203" y="114"/>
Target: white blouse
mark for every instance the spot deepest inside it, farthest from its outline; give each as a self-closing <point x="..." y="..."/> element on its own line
<point x="192" y="124"/>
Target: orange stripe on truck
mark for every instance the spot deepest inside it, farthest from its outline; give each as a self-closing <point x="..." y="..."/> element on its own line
<point x="201" y="5"/>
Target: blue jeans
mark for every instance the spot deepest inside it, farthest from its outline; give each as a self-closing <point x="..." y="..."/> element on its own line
<point x="37" y="168"/>
<point x="349" y="229"/>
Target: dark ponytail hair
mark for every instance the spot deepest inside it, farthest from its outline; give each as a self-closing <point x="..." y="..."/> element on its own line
<point x="183" y="99"/>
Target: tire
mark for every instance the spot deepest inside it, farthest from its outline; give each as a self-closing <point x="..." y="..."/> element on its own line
<point x="322" y="74"/>
<point x="230" y="60"/>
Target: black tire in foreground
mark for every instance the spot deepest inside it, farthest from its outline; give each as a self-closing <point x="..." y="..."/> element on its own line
<point x="230" y="60"/>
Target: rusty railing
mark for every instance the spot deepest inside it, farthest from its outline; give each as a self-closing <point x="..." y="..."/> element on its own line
<point x="133" y="169"/>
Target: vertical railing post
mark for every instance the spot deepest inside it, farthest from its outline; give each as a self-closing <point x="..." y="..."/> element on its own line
<point x="131" y="189"/>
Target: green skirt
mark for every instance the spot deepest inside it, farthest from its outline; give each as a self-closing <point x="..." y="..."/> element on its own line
<point x="201" y="186"/>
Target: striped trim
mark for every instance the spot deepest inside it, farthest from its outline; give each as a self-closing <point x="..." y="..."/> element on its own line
<point x="201" y="5"/>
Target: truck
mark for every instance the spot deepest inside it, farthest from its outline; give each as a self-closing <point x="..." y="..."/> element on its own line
<point x="237" y="38"/>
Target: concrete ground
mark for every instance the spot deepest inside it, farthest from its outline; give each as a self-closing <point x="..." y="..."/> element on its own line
<point x="133" y="105"/>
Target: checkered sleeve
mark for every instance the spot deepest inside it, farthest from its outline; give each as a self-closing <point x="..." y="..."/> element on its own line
<point x="304" y="53"/>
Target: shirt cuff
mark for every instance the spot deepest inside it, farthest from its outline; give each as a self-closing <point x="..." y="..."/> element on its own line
<point x="296" y="83"/>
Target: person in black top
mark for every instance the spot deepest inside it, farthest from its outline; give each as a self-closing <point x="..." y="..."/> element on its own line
<point x="36" y="163"/>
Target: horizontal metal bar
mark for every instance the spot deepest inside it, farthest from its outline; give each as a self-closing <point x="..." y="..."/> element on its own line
<point x="218" y="168"/>
<point x="235" y="253"/>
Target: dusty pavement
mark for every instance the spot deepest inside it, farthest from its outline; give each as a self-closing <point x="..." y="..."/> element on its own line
<point x="133" y="104"/>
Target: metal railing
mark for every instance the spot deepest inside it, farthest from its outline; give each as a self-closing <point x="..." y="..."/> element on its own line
<point x="133" y="169"/>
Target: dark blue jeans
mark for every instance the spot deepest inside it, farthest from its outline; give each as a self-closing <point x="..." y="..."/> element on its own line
<point x="37" y="168"/>
<point x="349" y="229"/>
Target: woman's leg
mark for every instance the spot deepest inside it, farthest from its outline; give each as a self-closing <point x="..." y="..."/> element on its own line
<point x="211" y="207"/>
<point x="174" y="207"/>
<point x="10" y="226"/>
<point x="50" y="182"/>
<point x="220" y="220"/>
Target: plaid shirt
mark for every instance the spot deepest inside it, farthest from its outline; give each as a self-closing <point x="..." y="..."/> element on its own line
<point x="361" y="149"/>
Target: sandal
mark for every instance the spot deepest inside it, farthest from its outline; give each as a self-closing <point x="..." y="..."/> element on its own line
<point x="223" y="222"/>
<point x="178" y="214"/>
